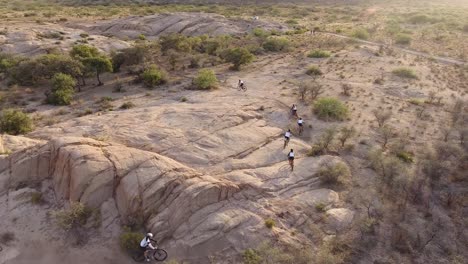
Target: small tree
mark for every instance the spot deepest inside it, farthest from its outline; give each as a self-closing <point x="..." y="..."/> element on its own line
<point x="386" y="133"/>
<point x="15" y="122"/>
<point x="310" y="88"/>
<point x="239" y="57"/>
<point x="206" y="79"/>
<point x="63" y="89"/>
<point x="345" y="134"/>
<point x="99" y="65"/>
<point x="382" y="116"/>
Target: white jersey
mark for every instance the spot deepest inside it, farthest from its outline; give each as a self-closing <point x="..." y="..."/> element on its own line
<point x="145" y="242"/>
<point x="300" y="121"/>
<point x="287" y="134"/>
<point x="294" y="108"/>
<point x="291" y="154"/>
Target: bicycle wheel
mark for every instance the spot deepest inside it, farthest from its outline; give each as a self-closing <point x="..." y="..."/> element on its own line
<point x="160" y="254"/>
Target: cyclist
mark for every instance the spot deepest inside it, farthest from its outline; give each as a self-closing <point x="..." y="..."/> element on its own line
<point x="300" y="123"/>
<point x="287" y="136"/>
<point x="291" y="159"/>
<point x="240" y="85"/>
<point x="294" y="110"/>
<point x="146" y="246"/>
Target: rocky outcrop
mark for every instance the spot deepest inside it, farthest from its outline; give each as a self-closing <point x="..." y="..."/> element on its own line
<point x="191" y="24"/>
<point x="190" y="211"/>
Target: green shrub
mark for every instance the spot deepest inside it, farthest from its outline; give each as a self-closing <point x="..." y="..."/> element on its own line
<point x="405" y="156"/>
<point x="238" y="57"/>
<point x="320" y="207"/>
<point x="334" y="174"/>
<point x="291" y="22"/>
<point x="276" y="44"/>
<point x="63" y="89"/>
<point x="270" y="223"/>
<point x="360" y="33"/>
<point x="261" y="33"/>
<point x="15" y="122"/>
<point x="205" y="80"/>
<point x="405" y="73"/>
<point x="314" y="71"/>
<point x="141" y="37"/>
<point x="36" y="198"/>
<point x="403" y="39"/>
<point x="153" y="76"/>
<point x="319" y="54"/>
<point x="130" y="241"/>
<point x="330" y="109"/>
<point x="250" y="256"/>
<point x="84" y="35"/>
<point x="75" y="216"/>
<point x="419" y="19"/>
<point x="127" y="105"/>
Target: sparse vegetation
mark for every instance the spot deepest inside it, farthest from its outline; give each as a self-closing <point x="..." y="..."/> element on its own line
<point x="330" y="109"/>
<point x="319" y="54"/>
<point x="36" y="198"/>
<point x="333" y="173"/>
<point x="403" y="39"/>
<point x="153" y="76"/>
<point x="205" y="80"/>
<point x="361" y="33"/>
<point x="276" y="44"/>
<point x="75" y="216"/>
<point x="405" y="73"/>
<point x="15" y="122"/>
<point x="130" y="241"/>
<point x="313" y="71"/>
<point x="270" y="223"/>
<point x="238" y="57"/>
<point x="127" y="105"/>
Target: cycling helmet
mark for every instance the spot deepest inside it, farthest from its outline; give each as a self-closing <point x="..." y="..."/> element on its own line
<point x="149" y="235"/>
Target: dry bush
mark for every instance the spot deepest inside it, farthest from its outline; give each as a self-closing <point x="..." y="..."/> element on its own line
<point x="386" y="133"/>
<point x="75" y="216"/>
<point x="323" y="144"/>
<point x="345" y="134"/>
<point x="333" y="173"/>
<point x="382" y="116"/>
<point x="311" y="89"/>
<point x="346" y="89"/>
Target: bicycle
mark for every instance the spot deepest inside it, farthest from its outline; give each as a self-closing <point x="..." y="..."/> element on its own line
<point x="286" y="141"/>
<point x="157" y="254"/>
<point x="243" y="87"/>
<point x="301" y="129"/>
<point x="291" y="163"/>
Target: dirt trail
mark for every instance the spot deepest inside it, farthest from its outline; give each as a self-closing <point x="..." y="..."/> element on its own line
<point x="445" y="60"/>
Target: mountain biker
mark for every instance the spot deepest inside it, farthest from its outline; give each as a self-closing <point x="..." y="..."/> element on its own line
<point x="287" y="136"/>
<point x="294" y="110"/>
<point x="241" y="84"/>
<point x="291" y="159"/>
<point x="146" y="246"/>
<point x="300" y="123"/>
